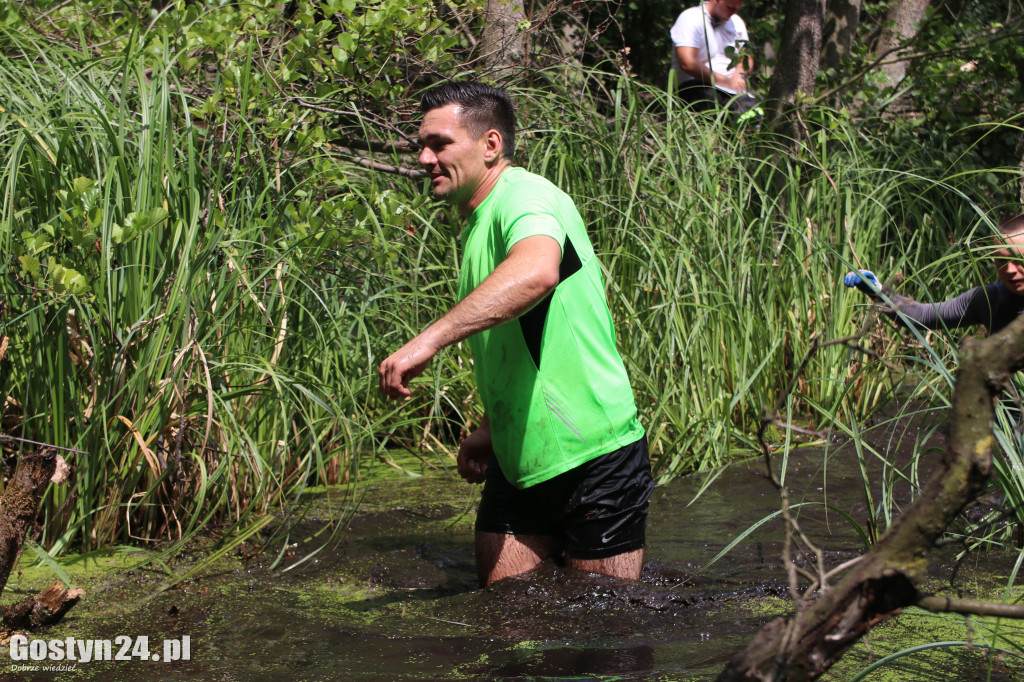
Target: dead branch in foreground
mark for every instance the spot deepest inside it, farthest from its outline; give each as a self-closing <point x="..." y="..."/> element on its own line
<point x="882" y="582"/>
<point x="45" y="608"/>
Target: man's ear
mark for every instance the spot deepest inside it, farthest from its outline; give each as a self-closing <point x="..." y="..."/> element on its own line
<point x="494" y="146"/>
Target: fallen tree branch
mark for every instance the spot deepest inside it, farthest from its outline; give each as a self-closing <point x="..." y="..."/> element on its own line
<point x="388" y="168"/>
<point x="4" y="438"/>
<point x="969" y="607"/>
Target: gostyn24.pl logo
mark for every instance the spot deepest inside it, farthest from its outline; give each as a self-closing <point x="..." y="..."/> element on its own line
<point x="123" y="648"/>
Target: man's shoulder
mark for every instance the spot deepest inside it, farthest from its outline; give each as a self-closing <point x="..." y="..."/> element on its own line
<point x="1002" y="292"/>
<point x="515" y="191"/>
<point x="738" y="25"/>
<point x="516" y="178"/>
<point x="691" y="15"/>
<point x="520" y="192"/>
<point x="517" y="174"/>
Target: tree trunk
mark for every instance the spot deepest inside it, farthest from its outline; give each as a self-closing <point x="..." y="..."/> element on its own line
<point x="903" y="22"/>
<point x="841" y="20"/>
<point x="797" y="66"/>
<point x="20" y="504"/>
<point x="502" y="46"/>
<point x="805" y="645"/>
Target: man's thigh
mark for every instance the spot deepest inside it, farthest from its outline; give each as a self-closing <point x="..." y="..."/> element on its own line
<point x="500" y="555"/>
<point x="698" y="96"/>
<point x="503" y="555"/>
<point x="604" y="522"/>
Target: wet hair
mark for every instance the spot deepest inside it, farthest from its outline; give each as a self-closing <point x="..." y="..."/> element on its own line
<point x="1012" y="225"/>
<point x="481" y="108"/>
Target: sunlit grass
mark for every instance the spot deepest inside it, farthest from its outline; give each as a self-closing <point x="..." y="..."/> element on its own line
<point x="724" y="254"/>
<point x="202" y="309"/>
<point x="169" y="318"/>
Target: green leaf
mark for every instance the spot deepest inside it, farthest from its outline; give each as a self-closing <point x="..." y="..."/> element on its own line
<point x="46" y="560"/>
<point x="67" y="280"/>
<point x="37" y="242"/>
<point x="30" y="264"/>
<point x="140" y="222"/>
<point x="81" y="185"/>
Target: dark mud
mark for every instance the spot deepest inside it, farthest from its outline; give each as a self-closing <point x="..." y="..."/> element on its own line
<point x="394" y="596"/>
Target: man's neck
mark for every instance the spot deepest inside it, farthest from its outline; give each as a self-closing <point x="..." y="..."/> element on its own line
<point x="715" y="21"/>
<point x="485" y="187"/>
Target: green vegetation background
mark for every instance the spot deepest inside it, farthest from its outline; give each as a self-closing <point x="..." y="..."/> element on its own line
<point x="212" y="237"/>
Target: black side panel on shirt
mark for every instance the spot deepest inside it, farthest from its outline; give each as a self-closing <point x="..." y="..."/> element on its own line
<point x="532" y="322"/>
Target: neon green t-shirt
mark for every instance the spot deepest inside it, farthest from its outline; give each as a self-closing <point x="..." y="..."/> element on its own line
<point x="551" y="381"/>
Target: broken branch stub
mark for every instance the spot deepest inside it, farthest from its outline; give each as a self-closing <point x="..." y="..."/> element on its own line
<point x="45" y="608"/>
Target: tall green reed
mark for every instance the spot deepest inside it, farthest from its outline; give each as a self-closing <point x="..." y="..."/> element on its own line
<point x="724" y="252"/>
<point x="181" y="304"/>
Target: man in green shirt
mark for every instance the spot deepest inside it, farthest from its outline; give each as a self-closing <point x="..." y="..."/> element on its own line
<point x="561" y="452"/>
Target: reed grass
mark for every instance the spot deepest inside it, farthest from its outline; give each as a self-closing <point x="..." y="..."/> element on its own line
<point x="209" y="350"/>
<point x="724" y="253"/>
<point x="202" y="308"/>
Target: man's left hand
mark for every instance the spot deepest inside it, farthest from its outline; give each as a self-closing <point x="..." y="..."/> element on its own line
<point x="475" y="452"/>
<point x="403" y="366"/>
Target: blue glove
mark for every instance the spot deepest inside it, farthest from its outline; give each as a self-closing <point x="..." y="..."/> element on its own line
<point x="864" y="280"/>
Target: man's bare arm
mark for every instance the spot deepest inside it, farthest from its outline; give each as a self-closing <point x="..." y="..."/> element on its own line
<point x="519" y="282"/>
<point x="689" y="62"/>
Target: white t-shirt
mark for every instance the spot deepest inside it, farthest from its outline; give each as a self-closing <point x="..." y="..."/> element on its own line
<point x="693" y="29"/>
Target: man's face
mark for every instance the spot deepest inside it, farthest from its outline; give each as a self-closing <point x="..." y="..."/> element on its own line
<point x="724" y="9"/>
<point x="1010" y="262"/>
<point x="454" y="159"/>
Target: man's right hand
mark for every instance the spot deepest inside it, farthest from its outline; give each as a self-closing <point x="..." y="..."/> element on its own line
<point x="403" y="366"/>
<point x="865" y="281"/>
<point x="474" y="454"/>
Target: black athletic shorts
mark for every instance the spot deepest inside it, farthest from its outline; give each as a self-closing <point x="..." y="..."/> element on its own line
<point x="597" y="510"/>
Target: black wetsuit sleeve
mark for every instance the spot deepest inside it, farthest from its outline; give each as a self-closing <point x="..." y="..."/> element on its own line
<point x="972" y="307"/>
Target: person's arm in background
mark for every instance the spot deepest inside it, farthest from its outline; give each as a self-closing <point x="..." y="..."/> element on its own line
<point x="744" y="66"/>
<point x="691" y="64"/>
<point x="969" y="308"/>
<point x="745" y="63"/>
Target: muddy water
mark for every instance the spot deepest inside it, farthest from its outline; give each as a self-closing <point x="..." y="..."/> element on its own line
<point x="394" y="598"/>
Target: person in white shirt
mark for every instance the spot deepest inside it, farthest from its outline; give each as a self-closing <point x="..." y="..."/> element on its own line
<point x="700" y="38"/>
